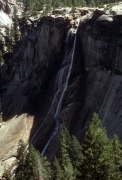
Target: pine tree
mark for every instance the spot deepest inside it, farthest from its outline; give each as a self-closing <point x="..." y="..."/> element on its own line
<point x="31" y="166"/>
<point x="45" y="168"/>
<point x="88" y="2"/>
<point x="57" y="170"/>
<point x="74" y="150"/>
<point x="76" y="156"/>
<point x="68" y="164"/>
<point x="117" y="149"/>
<point x="21" y="157"/>
<point x="99" y="161"/>
<point x="64" y="157"/>
<point x="82" y="3"/>
<point x="92" y="3"/>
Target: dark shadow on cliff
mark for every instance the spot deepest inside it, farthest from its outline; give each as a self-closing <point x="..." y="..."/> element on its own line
<point x="73" y="102"/>
<point x="78" y="127"/>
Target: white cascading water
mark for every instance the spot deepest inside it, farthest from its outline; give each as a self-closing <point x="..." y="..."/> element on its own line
<point x="62" y="80"/>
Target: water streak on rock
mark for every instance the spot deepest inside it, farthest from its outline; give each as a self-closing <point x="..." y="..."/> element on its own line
<point x="56" y="129"/>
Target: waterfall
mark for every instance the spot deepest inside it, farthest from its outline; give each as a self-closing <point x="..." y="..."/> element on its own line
<point x="61" y="98"/>
<point x="62" y="80"/>
<point x="62" y="74"/>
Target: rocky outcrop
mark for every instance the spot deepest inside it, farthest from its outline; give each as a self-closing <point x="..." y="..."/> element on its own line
<point x="7" y="14"/>
<point x="34" y="79"/>
<point x="10" y="133"/>
<point x="117" y="10"/>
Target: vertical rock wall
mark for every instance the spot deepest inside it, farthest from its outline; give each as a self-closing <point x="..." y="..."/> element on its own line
<point x="101" y="43"/>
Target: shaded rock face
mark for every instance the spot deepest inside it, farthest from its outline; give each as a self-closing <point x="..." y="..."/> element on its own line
<point x="28" y="71"/>
<point x="35" y="78"/>
<point x="101" y="43"/>
<point x="102" y="37"/>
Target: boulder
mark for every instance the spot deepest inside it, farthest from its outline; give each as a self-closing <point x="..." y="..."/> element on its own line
<point x="116" y="10"/>
<point x="105" y="17"/>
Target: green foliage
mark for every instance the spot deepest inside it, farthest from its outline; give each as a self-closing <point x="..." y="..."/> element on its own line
<point x="72" y="10"/>
<point x="21" y="157"/>
<point x="76" y="155"/>
<point x="45" y="168"/>
<point x="38" y="5"/>
<point x="64" y="156"/>
<point x="69" y="161"/>
<point x="117" y="149"/>
<point x="31" y="166"/>
<point x="110" y="5"/>
<point x="6" y="175"/>
<point x="99" y="159"/>
<point x="57" y="170"/>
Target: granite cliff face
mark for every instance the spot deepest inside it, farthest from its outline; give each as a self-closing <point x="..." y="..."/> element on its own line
<point x="29" y="69"/>
<point x="100" y="36"/>
<point x="61" y="78"/>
